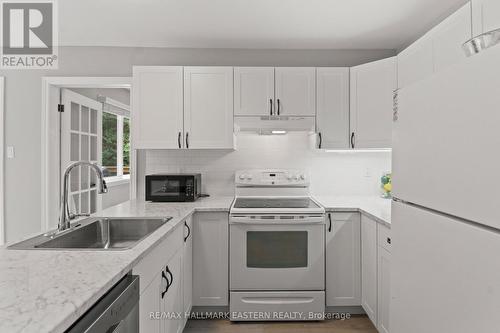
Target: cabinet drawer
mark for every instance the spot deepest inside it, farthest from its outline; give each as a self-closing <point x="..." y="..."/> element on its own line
<point x="149" y="266"/>
<point x="342" y="216"/>
<point x="384" y="237"/>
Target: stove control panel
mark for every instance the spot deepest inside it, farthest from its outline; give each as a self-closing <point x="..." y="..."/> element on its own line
<point x="272" y="177"/>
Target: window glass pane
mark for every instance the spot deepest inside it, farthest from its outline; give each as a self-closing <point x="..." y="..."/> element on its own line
<point x="109" y="140"/>
<point x="126" y="146"/>
<point x="276" y="249"/>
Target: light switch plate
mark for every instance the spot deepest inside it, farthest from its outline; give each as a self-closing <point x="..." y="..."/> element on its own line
<point x="10" y="152"/>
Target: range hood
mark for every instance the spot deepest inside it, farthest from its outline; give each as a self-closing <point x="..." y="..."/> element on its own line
<point x="274" y="124"/>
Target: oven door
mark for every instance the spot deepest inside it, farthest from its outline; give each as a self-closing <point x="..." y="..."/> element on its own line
<point x="277" y="253"/>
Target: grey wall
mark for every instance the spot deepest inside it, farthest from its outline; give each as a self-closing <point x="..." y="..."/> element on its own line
<point x="116" y="195"/>
<point x="23" y="104"/>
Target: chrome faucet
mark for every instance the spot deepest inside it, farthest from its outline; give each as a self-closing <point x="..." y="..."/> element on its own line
<point x="65" y="217"/>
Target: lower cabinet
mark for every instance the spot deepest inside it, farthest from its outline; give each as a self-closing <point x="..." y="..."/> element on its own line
<point x="384" y="278"/>
<point x="187" y="268"/>
<point x="211" y="259"/>
<point x="369" y="267"/>
<point x="149" y="306"/>
<point x="343" y="259"/>
<point x="171" y="299"/>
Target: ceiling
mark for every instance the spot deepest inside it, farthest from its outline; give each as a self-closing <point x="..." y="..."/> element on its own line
<point x="275" y="24"/>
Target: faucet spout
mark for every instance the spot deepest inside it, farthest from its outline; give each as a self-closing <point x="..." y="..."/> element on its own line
<point x="65" y="216"/>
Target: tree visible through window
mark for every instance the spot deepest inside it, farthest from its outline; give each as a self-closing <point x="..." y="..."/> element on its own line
<point x="109" y="143"/>
<point x="115" y="144"/>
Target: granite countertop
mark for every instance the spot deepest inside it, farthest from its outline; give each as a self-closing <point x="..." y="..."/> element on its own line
<point x="48" y="290"/>
<point x="374" y="207"/>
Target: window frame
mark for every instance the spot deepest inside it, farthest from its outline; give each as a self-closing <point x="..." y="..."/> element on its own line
<point x="109" y="105"/>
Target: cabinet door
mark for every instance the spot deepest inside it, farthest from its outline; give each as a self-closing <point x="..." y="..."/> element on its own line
<point x="253" y="91"/>
<point x="187" y="267"/>
<point x="171" y="302"/>
<point x="295" y="89"/>
<point x="416" y="62"/>
<point x="449" y="36"/>
<point x="149" y="302"/>
<point x="332" y="99"/>
<point x="372" y="90"/>
<point x="384" y="294"/>
<point x="486" y="15"/>
<point x="157" y="107"/>
<point x="208" y="107"/>
<point x="369" y="267"/>
<point x="210" y="259"/>
<point x="343" y="260"/>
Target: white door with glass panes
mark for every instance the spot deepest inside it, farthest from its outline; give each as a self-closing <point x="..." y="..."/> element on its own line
<point x="81" y="140"/>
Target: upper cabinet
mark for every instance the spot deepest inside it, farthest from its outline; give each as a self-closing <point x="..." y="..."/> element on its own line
<point x="182" y="108"/>
<point x="253" y="91"/>
<point x="485" y="16"/>
<point x="295" y="91"/>
<point x="371" y="92"/>
<point x="157" y="116"/>
<point x="440" y="48"/>
<point x="208" y="107"/>
<point x="332" y="102"/>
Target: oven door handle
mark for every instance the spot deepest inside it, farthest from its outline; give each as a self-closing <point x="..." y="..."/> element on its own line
<point x="249" y="219"/>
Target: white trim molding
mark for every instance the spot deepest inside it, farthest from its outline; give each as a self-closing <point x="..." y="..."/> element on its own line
<point x="2" y="170"/>
<point x="67" y="82"/>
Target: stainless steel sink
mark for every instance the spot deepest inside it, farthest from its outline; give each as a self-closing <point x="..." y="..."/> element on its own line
<point x="97" y="234"/>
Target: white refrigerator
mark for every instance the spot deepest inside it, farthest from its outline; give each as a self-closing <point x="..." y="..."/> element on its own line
<point x="446" y="213"/>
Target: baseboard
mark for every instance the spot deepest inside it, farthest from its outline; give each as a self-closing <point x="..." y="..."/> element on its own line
<point x="353" y="310"/>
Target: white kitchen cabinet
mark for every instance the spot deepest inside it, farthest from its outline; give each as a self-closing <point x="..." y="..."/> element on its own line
<point x="416" y="62"/>
<point x="384" y="289"/>
<point x="369" y="267"/>
<point x="486" y="16"/>
<point x="438" y="49"/>
<point x="253" y="91"/>
<point x="154" y="279"/>
<point x="343" y="259"/>
<point x="187" y="267"/>
<point x="372" y="90"/>
<point x="332" y="114"/>
<point x="149" y="303"/>
<point x="449" y="36"/>
<point x="171" y="302"/>
<point x="295" y="89"/>
<point x="157" y="107"/>
<point x="208" y="107"/>
<point x="210" y="259"/>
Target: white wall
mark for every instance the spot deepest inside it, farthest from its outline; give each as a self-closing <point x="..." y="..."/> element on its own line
<point x="23" y="104"/>
<point x="116" y="195"/>
<point x="332" y="173"/>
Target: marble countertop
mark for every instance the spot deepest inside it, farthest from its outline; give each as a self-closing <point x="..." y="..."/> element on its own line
<point x="48" y="290"/>
<point x="374" y="207"/>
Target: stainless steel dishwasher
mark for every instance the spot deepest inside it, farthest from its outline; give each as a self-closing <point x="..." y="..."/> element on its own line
<point x="115" y="312"/>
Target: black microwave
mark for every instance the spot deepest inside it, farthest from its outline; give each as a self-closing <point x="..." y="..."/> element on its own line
<point x="173" y="187"/>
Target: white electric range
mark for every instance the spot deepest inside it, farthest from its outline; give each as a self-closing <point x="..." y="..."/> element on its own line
<point x="277" y="247"/>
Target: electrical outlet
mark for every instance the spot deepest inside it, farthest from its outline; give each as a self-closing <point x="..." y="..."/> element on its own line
<point x="368" y="173"/>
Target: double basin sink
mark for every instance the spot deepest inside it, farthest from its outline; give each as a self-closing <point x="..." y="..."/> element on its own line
<point x="96" y="234"/>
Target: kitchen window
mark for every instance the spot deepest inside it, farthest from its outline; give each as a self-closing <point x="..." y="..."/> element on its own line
<point x="115" y="145"/>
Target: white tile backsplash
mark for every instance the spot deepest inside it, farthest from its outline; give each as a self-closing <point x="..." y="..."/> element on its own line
<point x="332" y="173"/>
